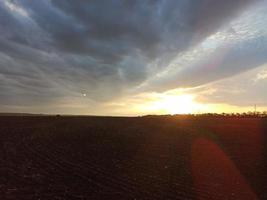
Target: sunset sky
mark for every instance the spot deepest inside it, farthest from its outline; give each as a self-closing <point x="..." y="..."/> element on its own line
<point x="115" y="57"/>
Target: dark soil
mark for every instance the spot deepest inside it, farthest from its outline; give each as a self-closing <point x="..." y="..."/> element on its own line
<point x="60" y="157"/>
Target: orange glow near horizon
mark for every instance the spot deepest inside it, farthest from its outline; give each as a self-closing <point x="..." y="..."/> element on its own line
<point x="177" y="104"/>
<point x="174" y="102"/>
<point x="177" y="101"/>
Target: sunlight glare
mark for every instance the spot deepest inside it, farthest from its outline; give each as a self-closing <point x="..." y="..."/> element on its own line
<point x="177" y="104"/>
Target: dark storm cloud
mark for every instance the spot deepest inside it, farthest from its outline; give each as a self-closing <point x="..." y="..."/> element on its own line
<point x="108" y="30"/>
<point x="54" y="49"/>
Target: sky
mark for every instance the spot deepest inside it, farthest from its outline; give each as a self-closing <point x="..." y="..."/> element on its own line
<point x="135" y="57"/>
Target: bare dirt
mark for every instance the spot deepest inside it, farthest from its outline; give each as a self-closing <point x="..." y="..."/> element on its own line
<point x="162" y="157"/>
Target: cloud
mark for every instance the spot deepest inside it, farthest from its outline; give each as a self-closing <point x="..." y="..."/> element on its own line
<point x="239" y="90"/>
<point x="239" y="46"/>
<point x="52" y="51"/>
<point x="262" y="75"/>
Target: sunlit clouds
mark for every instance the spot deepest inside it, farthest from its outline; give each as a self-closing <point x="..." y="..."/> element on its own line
<point x="167" y="103"/>
<point x="261" y="75"/>
<point x="16" y="9"/>
<point x="132" y="58"/>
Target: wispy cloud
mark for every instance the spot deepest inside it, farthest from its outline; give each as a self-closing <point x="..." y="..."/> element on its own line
<point x="53" y="52"/>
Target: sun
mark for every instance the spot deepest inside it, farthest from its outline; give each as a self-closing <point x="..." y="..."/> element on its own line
<point x="177" y="104"/>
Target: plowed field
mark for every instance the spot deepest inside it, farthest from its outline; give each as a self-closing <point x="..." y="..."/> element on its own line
<point x="133" y="158"/>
